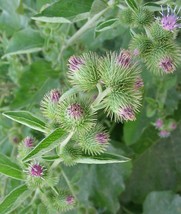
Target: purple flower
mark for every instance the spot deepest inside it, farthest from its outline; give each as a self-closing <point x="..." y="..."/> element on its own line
<point x="74" y="63"/>
<point x="136" y="52"/>
<point x="28" y="141"/>
<point x="16" y="140"/>
<point x="159" y="123"/>
<point x="75" y="111"/>
<point x="36" y="170"/>
<point x="124" y="58"/>
<point x="167" y="65"/>
<point x="55" y="95"/>
<point x="173" y="125"/>
<point x="170" y="20"/>
<point x="102" y="138"/>
<point x="138" y="83"/>
<point x="127" y="113"/>
<point x="70" y="199"/>
<point x="164" y="133"/>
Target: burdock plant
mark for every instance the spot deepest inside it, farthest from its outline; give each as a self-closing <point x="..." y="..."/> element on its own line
<point x="111" y="83"/>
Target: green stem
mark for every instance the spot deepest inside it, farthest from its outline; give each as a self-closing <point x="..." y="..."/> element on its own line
<point x="100" y="97"/>
<point x="69" y="184"/>
<point x="67" y="139"/>
<point x="90" y="23"/>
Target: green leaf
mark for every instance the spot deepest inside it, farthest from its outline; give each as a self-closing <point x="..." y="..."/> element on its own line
<point x="14" y="199"/>
<point x="163" y="202"/>
<point x="106" y="25"/>
<point x="104" y="158"/>
<point x="100" y="186"/>
<point x="157" y="168"/>
<point x="46" y="145"/>
<point x="64" y="11"/>
<point x="24" y="41"/>
<point x="9" y="168"/>
<point x="131" y="4"/>
<point x="38" y="78"/>
<point x="27" y="119"/>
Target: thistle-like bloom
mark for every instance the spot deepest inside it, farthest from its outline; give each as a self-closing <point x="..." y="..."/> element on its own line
<point x="49" y="104"/>
<point x="70" y="199"/>
<point x="75" y="111"/>
<point x="74" y="63"/>
<point x="36" y="170"/>
<point x="28" y="142"/>
<point x="167" y="65"/>
<point x="159" y="123"/>
<point x="136" y="52"/>
<point x="55" y="95"/>
<point x="173" y="125"/>
<point x="95" y="141"/>
<point x="127" y="113"/>
<point x="124" y="58"/>
<point x="102" y="137"/>
<point x="138" y="83"/>
<point x="164" y="133"/>
<point x="169" y="21"/>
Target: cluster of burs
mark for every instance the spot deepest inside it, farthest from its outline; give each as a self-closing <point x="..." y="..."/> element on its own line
<point x="111" y="83"/>
<point x="154" y="37"/>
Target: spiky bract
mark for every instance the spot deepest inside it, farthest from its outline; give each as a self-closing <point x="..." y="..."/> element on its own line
<point x="159" y="34"/>
<point x="74" y="113"/>
<point x="35" y="175"/>
<point x="65" y="201"/>
<point x="142" y="17"/>
<point x="126" y="17"/>
<point x="141" y="43"/>
<point x="49" y="104"/>
<point x="86" y="76"/>
<point x="94" y="141"/>
<point x="121" y="81"/>
<point x="70" y="153"/>
<point x="163" y="57"/>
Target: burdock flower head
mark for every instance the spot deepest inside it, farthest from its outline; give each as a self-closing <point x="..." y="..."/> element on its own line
<point x="127" y="113"/>
<point x="49" y="104"/>
<point x="55" y="95"/>
<point x="36" y="170"/>
<point x="170" y="19"/>
<point x="75" y="113"/>
<point x="124" y="58"/>
<point x="166" y="64"/>
<point x="164" y="133"/>
<point x="138" y="83"/>
<point x="95" y="141"/>
<point x="74" y="63"/>
<point x="28" y="142"/>
<point x="159" y="123"/>
<point x="83" y="71"/>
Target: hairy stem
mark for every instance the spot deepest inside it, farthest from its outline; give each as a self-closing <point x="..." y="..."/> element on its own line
<point x="102" y="94"/>
<point x="68" y="183"/>
<point x="90" y="23"/>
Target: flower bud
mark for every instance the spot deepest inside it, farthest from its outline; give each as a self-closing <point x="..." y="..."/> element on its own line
<point x="36" y="170"/>
<point x="164" y="133"/>
<point x="167" y="65"/>
<point x="143" y="17"/>
<point x="124" y="58"/>
<point x="74" y="113"/>
<point x="28" y="142"/>
<point x="94" y="141"/>
<point x="159" y="123"/>
<point x="83" y="71"/>
<point x="70" y="153"/>
<point x="127" y="113"/>
<point x="49" y="104"/>
<point x="170" y="20"/>
<point x="138" y="83"/>
<point x="74" y="63"/>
